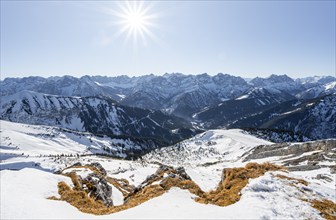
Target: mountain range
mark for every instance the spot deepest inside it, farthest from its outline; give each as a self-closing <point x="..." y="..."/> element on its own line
<point x="173" y="106"/>
<point x="173" y="146"/>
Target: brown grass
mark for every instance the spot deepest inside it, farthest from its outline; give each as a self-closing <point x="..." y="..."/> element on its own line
<point x="326" y="207"/>
<point x="122" y="185"/>
<point x="93" y="169"/>
<point x="75" y="180"/>
<point x="53" y="198"/>
<point x="144" y="195"/>
<point x="235" y="179"/>
<point x="227" y="192"/>
<point x="304" y="182"/>
<point x="81" y="200"/>
<point x="189" y="185"/>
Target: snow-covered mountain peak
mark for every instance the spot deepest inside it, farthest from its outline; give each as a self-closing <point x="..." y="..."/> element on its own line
<point x="176" y="93"/>
<point x="318" y="90"/>
<point x="272" y="79"/>
<point x="282" y="83"/>
<point x="316" y="79"/>
<point x="94" y="114"/>
<point x="330" y="86"/>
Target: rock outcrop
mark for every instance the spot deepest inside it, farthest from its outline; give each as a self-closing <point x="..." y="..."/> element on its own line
<point x="300" y="156"/>
<point x="98" y="188"/>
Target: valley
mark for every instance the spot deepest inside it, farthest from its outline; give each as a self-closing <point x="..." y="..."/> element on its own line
<point x="173" y="146"/>
<point x="306" y="174"/>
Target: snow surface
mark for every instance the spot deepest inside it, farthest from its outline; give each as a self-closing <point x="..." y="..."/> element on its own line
<point x="263" y="198"/>
<point x="28" y="180"/>
<point x="35" y="140"/>
<point x="210" y="146"/>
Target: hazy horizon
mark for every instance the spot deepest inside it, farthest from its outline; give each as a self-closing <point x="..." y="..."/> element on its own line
<point x="130" y="76"/>
<point x="246" y="39"/>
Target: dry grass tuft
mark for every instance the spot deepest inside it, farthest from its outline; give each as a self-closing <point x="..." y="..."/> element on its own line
<point x="144" y="195"/>
<point x="75" y="180"/>
<point x="233" y="181"/>
<point x="122" y="185"/>
<point x="304" y="182"/>
<point x="227" y="192"/>
<point x="326" y="207"/>
<point x="189" y="185"/>
<point x="81" y="200"/>
<point x="53" y="198"/>
<point x="92" y="168"/>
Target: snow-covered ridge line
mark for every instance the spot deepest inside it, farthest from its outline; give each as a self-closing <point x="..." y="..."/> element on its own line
<point x="22" y="140"/>
<point x="183" y="95"/>
<point x="99" y="115"/>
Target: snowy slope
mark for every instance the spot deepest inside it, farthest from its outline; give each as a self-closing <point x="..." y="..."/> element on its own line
<point x="318" y="90"/>
<point x="270" y="195"/>
<point x="99" y="115"/>
<point x="275" y="199"/>
<point x="210" y="146"/>
<point x="263" y="198"/>
<point x="34" y="140"/>
<point x="203" y="157"/>
<point x="205" y="154"/>
<point x="315" y="118"/>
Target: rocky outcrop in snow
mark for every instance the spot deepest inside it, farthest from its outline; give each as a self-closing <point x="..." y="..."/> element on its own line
<point x="300" y="156"/>
<point x="98" y="188"/>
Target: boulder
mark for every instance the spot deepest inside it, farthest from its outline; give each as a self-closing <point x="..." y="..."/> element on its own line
<point x="98" y="188"/>
<point x="99" y="167"/>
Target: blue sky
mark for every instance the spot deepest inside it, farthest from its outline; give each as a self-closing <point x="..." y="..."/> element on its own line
<point x="243" y="38"/>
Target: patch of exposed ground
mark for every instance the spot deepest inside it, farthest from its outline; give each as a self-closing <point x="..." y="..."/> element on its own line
<point x="326" y="207"/>
<point x="93" y="195"/>
<point x="84" y="193"/>
<point x="233" y="181"/>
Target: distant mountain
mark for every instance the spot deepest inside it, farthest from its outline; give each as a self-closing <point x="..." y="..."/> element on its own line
<point x="276" y="135"/>
<point x="318" y="91"/>
<point x="181" y="95"/>
<point x="312" y="81"/>
<point x="98" y="115"/>
<point x="314" y="118"/>
<point x="174" y="93"/>
<point x="184" y="95"/>
<point x="278" y="83"/>
<point x="252" y="102"/>
<point x="63" y="86"/>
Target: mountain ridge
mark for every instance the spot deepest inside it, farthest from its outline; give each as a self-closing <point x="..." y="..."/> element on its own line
<point x="99" y="115"/>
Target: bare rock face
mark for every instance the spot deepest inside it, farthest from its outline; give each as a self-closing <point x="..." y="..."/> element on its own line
<point x="162" y="174"/>
<point x="182" y="174"/>
<point x="171" y="172"/>
<point x="98" y="188"/>
<point x="300" y="156"/>
<point x="99" y="167"/>
<point x="95" y="183"/>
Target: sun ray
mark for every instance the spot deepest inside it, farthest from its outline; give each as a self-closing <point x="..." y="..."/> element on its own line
<point x="136" y="20"/>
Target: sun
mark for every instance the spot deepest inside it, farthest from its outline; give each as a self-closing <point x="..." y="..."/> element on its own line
<point x="136" y="20"/>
